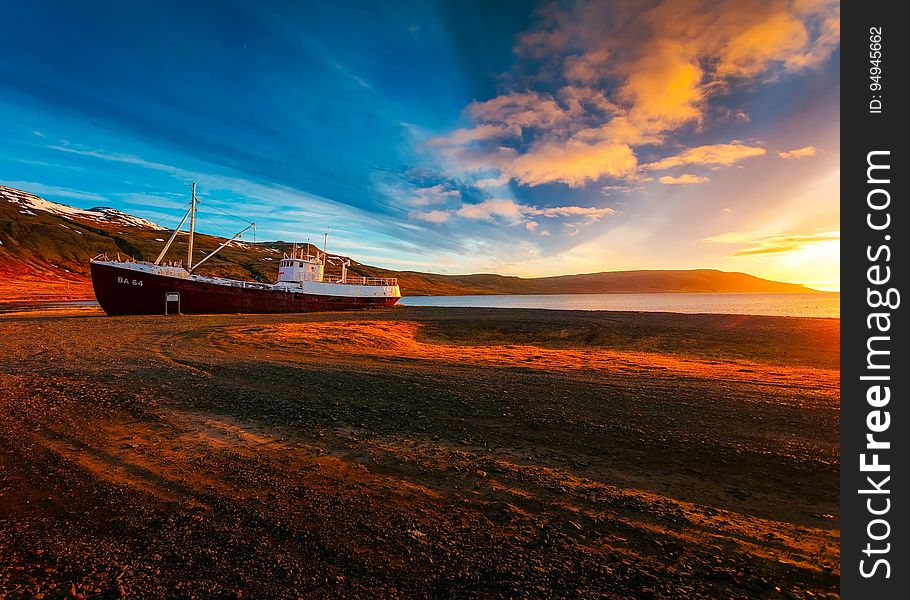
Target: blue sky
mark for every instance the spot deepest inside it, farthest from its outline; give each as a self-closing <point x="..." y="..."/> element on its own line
<point x="511" y="137"/>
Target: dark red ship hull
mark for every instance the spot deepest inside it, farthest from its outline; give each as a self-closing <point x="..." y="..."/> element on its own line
<point x="126" y="292"/>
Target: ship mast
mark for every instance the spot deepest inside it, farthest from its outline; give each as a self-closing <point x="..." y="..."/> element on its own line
<point x="224" y="245"/>
<point x="171" y="239"/>
<point x="189" y="248"/>
<point x="325" y="245"/>
<point x="191" y="214"/>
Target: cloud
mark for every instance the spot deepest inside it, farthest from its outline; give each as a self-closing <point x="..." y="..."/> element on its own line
<point x="590" y="67"/>
<point x="491" y="182"/>
<point x="587" y="101"/>
<point x="563" y="151"/>
<point x="464" y="159"/>
<point x="596" y="80"/>
<point x="799" y="152"/>
<point x="663" y="88"/>
<point x="609" y="190"/>
<point x="50" y="190"/>
<point x="433" y="216"/>
<point x="281" y="204"/>
<point x="512" y="212"/>
<point x="474" y="134"/>
<point x="491" y="208"/>
<point x="573" y="163"/>
<point x="428" y="196"/>
<point x="684" y="179"/>
<point x="619" y="130"/>
<point x="779" y="37"/>
<point x="715" y="154"/>
<point x="749" y="38"/>
<point x="529" y="109"/>
<point x="758" y="243"/>
<point x="593" y="214"/>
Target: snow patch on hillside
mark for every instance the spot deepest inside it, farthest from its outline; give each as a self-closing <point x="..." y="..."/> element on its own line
<point x="99" y="214"/>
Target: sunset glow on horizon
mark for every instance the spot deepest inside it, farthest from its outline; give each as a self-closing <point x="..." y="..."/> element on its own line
<point x="464" y="137"/>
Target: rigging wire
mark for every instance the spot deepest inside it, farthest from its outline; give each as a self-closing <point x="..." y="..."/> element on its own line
<point x="216" y="225"/>
<point x="210" y="222"/>
<point x="184" y="208"/>
<point x="242" y="220"/>
<point x="212" y="206"/>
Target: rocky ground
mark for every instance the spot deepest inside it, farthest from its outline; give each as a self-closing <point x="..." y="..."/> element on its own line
<point x="418" y="453"/>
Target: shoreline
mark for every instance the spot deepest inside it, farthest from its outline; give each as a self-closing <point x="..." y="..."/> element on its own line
<point x="36" y="305"/>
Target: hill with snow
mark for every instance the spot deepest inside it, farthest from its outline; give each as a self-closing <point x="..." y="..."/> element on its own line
<point x="29" y="203"/>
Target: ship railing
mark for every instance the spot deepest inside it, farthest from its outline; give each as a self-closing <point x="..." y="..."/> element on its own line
<point x="254" y="286"/>
<point x="356" y="280"/>
<point x="241" y="284"/>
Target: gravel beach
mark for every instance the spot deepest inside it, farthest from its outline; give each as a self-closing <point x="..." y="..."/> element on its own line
<point x="418" y="452"/>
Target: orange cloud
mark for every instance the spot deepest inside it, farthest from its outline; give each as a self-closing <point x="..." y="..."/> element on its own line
<point x="663" y="89"/>
<point x="519" y="110"/>
<point x="760" y="244"/>
<point x="746" y="38"/>
<point x="573" y="163"/>
<point x="779" y="37"/>
<point x="799" y="152"/>
<point x="590" y="67"/>
<point x="587" y="100"/>
<point x="508" y="210"/>
<point x="512" y="212"/>
<point x="684" y="179"/>
<point x="625" y="76"/>
<point x="619" y="130"/>
<point x="715" y="154"/>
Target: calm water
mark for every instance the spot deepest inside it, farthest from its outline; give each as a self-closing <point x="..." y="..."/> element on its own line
<point x="786" y="305"/>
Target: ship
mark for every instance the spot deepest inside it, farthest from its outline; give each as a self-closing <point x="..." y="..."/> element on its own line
<point x="135" y="287"/>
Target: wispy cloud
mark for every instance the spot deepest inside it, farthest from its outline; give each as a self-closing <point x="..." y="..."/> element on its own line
<point x="714" y="154"/>
<point x="799" y="152"/>
<point x="758" y="243"/>
<point x="433" y="216"/>
<point x="41" y="189"/>
<point x="609" y="190"/>
<point x="684" y="179"/>
<point x="272" y="194"/>
<point x="512" y="212"/>
<point x="284" y="208"/>
<point x="433" y="195"/>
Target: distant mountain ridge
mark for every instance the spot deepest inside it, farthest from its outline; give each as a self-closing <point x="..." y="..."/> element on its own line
<point x="44" y="243"/>
<point x="616" y="282"/>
